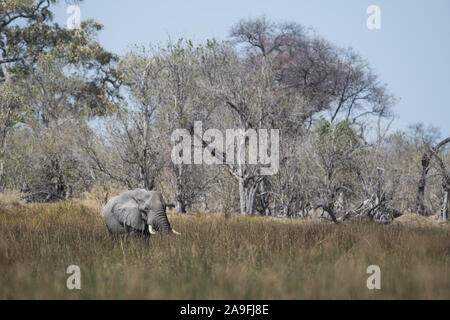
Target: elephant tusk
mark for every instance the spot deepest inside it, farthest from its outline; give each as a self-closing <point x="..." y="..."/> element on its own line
<point x="150" y="229"/>
<point x="176" y="232"/>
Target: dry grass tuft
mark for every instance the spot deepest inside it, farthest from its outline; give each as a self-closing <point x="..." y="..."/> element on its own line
<point x="217" y="258"/>
<point x="11" y="198"/>
<point x="416" y="220"/>
<point x="98" y="196"/>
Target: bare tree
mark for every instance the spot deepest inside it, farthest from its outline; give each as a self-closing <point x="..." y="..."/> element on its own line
<point x="11" y="112"/>
<point x="428" y="152"/>
<point x="329" y="78"/>
<point x="434" y="152"/>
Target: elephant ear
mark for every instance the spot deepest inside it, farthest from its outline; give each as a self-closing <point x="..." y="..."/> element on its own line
<point x="129" y="215"/>
<point x="140" y="196"/>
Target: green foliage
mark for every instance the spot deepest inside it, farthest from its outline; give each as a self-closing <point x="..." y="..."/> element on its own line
<point x="343" y="133"/>
<point x="338" y="144"/>
<point x="53" y="80"/>
<point x="12" y="108"/>
<point x="29" y="36"/>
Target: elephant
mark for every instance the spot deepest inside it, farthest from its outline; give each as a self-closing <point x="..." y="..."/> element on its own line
<point x="138" y="211"/>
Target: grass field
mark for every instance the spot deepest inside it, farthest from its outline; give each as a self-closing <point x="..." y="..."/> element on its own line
<point x="217" y="258"/>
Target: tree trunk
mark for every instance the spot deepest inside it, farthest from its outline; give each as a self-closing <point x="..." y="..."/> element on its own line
<point x="5" y="71"/>
<point x="247" y="195"/>
<point x="7" y="76"/>
<point x="420" y="197"/>
<point x="180" y="205"/>
<point x="264" y="204"/>
<point x="2" y="157"/>
<point x="146" y="177"/>
<point x="1" y="174"/>
<point x="243" y="196"/>
<point x="146" y="180"/>
<point x="444" y="211"/>
<point x="379" y="206"/>
<point x="426" y="161"/>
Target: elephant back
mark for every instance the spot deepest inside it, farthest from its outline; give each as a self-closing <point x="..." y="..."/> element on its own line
<point x="108" y="207"/>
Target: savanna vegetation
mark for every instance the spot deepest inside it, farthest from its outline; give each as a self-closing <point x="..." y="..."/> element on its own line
<point x="217" y="258"/>
<point x="79" y="123"/>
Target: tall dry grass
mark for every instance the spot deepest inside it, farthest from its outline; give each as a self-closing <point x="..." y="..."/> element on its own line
<point x="216" y="258"/>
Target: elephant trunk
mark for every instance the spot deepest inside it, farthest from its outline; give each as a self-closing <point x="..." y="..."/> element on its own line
<point x="160" y="222"/>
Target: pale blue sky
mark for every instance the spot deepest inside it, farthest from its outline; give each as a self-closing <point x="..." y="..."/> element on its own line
<point x="410" y="53"/>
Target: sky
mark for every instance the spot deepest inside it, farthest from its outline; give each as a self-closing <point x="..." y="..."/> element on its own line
<point x="410" y="52"/>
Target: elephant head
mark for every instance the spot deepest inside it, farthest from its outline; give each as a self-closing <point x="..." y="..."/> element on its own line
<point x="152" y="208"/>
<point x="138" y="210"/>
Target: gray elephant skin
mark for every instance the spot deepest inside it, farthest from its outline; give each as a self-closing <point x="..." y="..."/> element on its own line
<point x="137" y="211"/>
